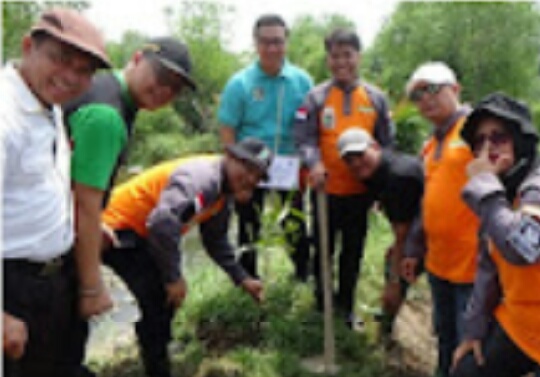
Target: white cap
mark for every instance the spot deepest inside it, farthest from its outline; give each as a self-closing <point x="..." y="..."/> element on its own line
<point x="354" y="140"/>
<point x="432" y="73"/>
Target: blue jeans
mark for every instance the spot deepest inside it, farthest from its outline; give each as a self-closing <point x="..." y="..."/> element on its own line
<point x="449" y="303"/>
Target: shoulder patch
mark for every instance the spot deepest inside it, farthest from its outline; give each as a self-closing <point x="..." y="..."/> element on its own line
<point x="525" y="238"/>
<point x="301" y="114"/>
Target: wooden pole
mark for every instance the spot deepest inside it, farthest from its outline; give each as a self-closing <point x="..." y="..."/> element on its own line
<point x="326" y="269"/>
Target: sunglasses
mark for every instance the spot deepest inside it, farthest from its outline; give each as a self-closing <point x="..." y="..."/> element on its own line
<point x="495" y="138"/>
<point x="431" y="89"/>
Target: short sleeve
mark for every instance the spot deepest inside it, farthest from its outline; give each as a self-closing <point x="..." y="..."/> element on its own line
<point x="231" y="103"/>
<point x="98" y="136"/>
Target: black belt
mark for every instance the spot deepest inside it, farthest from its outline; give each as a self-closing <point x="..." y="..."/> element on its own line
<point x="43" y="269"/>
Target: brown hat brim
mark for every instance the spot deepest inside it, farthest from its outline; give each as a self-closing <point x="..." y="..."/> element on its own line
<point x="98" y="56"/>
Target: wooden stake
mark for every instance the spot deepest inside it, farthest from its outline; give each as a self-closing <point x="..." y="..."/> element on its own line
<point x="326" y="269"/>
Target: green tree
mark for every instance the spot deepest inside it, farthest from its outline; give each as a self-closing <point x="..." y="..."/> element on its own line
<point x="121" y="52"/>
<point x="492" y="46"/>
<point x="306" y="42"/>
<point x="18" y="17"/>
<point x="205" y="27"/>
<point x="160" y="135"/>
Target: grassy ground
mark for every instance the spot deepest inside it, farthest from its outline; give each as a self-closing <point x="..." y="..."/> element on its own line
<point x="220" y="332"/>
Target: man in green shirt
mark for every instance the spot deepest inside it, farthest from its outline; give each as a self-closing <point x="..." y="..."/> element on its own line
<point x="100" y="125"/>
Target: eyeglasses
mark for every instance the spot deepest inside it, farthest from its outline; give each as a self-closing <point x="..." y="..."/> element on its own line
<point x="431" y="89"/>
<point x="495" y="138"/>
<point x="267" y="42"/>
<point x="61" y="53"/>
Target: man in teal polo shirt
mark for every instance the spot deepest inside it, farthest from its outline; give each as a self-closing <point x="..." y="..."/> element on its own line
<point x="261" y="101"/>
<point x="100" y="125"/>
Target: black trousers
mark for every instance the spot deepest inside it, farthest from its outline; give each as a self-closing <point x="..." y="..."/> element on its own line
<point x="47" y="303"/>
<point x="347" y="216"/>
<point x="501" y="356"/>
<point x="135" y="266"/>
<point x="249" y="226"/>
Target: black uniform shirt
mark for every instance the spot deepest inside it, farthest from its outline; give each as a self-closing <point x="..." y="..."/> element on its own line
<point x="398" y="184"/>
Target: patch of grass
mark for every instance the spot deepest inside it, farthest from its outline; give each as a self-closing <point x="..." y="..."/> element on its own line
<point x="221" y="332"/>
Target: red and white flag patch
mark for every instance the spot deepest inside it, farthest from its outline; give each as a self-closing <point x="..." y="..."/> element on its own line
<point x="302" y="113"/>
<point x="199" y="202"/>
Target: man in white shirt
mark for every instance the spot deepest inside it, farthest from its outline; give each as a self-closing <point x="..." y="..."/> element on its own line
<point x="59" y="56"/>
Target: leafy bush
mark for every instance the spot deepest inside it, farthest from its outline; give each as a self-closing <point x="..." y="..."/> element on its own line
<point x="411" y="128"/>
<point x="221" y="332"/>
<point x="161" y="135"/>
<point x="167" y="146"/>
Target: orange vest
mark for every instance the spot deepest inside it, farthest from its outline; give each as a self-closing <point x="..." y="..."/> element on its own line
<point x="131" y="202"/>
<point x="519" y="311"/>
<point x="204" y="215"/>
<point x="451" y="228"/>
<point x="332" y="122"/>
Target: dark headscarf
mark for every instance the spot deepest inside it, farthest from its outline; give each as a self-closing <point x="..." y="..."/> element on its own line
<point x="517" y="120"/>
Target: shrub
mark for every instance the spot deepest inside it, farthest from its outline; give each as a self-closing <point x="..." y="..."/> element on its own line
<point x="411" y="128"/>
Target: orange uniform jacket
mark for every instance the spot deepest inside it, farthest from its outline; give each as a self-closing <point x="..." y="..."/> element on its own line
<point x="519" y="311"/>
<point x="163" y="202"/>
<point x="451" y="228"/>
<point x="507" y="282"/>
<point x="328" y="111"/>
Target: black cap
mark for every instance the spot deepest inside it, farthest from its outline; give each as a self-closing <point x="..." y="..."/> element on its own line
<point x="499" y="105"/>
<point x="173" y="54"/>
<point x="253" y="151"/>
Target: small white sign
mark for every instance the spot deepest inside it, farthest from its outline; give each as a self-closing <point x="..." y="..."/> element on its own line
<point x="283" y="173"/>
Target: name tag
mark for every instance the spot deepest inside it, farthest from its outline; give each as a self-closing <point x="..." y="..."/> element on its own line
<point x="283" y="173"/>
<point x="525" y="239"/>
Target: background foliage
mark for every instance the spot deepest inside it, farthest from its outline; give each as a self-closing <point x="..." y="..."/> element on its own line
<point x="18" y="17"/>
<point x="492" y="47"/>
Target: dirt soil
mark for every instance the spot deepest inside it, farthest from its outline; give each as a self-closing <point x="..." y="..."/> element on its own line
<point x="415" y="351"/>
